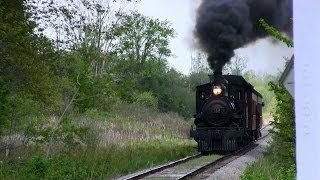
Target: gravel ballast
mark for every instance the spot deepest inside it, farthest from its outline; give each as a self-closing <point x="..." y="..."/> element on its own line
<point x="235" y="169"/>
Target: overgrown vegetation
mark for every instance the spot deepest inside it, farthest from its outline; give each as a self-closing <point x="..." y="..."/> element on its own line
<point x="86" y="92"/>
<point x="101" y="163"/>
<point x="275" y="33"/>
<point x="279" y="160"/>
<point x="96" y="144"/>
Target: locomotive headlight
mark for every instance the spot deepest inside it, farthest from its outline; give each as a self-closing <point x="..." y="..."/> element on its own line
<point x="217" y="90"/>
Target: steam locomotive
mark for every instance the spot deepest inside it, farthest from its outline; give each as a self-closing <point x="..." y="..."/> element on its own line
<point x="228" y="114"/>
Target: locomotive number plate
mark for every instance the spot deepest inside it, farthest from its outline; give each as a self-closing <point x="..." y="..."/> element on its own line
<point x="216" y="110"/>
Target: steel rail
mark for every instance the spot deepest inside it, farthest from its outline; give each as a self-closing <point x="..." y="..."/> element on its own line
<point x="195" y="172"/>
<point x="217" y="164"/>
<point x="159" y="168"/>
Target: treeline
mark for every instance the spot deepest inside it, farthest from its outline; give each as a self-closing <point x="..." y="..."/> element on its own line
<point x="58" y="59"/>
<point x="73" y="78"/>
<point x="91" y="59"/>
<point x="84" y="85"/>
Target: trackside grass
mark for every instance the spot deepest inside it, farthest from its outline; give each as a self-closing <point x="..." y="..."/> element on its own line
<point x="96" y="145"/>
<point x="270" y="167"/>
<point x="279" y="160"/>
<point x="96" y="163"/>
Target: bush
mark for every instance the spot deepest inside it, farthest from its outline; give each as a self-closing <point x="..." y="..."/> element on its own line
<point x="271" y="166"/>
<point x="4" y="110"/>
<point x="146" y="99"/>
<point x="19" y="110"/>
<point x="279" y="160"/>
<point x="284" y="136"/>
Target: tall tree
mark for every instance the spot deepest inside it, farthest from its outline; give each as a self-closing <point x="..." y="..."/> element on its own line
<point x="199" y="71"/>
<point x="24" y="71"/>
<point x="237" y="66"/>
<point x="142" y="38"/>
<point x="23" y="54"/>
<point x="142" y="48"/>
<point x="199" y="63"/>
<point x="82" y="24"/>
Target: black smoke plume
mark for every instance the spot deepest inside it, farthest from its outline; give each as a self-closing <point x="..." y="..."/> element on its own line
<point x="225" y="25"/>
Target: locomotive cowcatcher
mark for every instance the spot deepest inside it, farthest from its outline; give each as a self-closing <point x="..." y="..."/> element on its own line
<point x="228" y="114"/>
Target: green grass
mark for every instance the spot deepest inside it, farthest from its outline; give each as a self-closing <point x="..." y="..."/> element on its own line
<point x="99" y="145"/>
<point x="279" y="160"/>
<point x="96" y="163"/>
<point x="270" y="167"/>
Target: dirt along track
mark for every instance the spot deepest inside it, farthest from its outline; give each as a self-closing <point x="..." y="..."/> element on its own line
<point x="194" y="167"/>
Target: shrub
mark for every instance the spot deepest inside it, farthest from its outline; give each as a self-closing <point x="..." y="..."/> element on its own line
<point x="284" y="136"/>
<point x="146" y="99"/>
<point x="19" y="111"/>
<point x="3" y="109"/>
<point x="279" y="160"/>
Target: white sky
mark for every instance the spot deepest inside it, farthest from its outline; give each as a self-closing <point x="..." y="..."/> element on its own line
<point x="263" y="56"/>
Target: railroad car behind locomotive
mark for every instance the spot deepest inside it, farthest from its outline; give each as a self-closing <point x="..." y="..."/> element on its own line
<point x="228" y="114"/>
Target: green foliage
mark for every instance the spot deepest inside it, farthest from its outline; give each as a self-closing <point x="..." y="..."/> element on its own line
<point x="73" y="135"/>
<point x="36" y="165"/>
<point x="275" y="33"/>
<point x="170" y="87"/>
<point x="198" y="78"/>
<point x="3" y="109"/>
<point x="269" y="168"/>
<point x="19" y="111"/>
<point x="288" y="173"/>
<point x="93" y="164"/>
<point x="41" y="131"/>
<point x="22" y="56"/>
<point x="143" y="45"/>
<point x="284" y="137"/>
<point x="146" y="99"/>
<point x="25" y="75"/>
<point x="78" y="78"/>
<point x="142" y="38"/>
<point x="279" y="161"/>
<point x="199" y="71"/>
<point x="174" y="94"/>
<point x="45" y="86"/>
<point x="94" y="93"/>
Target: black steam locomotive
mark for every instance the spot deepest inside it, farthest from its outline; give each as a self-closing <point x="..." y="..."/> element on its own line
<point x="228" y="114"/>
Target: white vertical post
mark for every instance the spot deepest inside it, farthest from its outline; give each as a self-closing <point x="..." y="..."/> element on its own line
<point x="307" y="87"/>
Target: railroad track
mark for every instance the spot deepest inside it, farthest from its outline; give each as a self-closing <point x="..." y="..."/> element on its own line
<point x="154" y="170"/>
<point x="221" y="162"/>
<point x="213" y="165"/>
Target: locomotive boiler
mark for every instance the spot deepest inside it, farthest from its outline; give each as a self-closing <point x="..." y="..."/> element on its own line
<point x="228" y="114"/>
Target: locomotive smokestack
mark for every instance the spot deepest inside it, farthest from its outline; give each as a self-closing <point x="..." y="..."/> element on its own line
<point x="225" y="25"/>
<point x="215" y="75"/>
